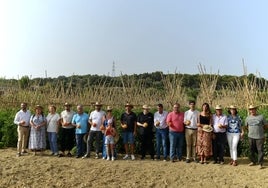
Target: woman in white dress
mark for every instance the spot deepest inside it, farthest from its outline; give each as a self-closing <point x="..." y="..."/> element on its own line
<point x="37" y="140"/>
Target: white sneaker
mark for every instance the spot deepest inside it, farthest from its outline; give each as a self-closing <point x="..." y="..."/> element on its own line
<point x="126" y="157"/>
<point x="108" y="159"/>
<point x="132" y="157"/>
<point x="112" y="158"/>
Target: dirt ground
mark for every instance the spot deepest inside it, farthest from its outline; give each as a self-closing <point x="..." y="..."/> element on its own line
<point x="50" y="171"/>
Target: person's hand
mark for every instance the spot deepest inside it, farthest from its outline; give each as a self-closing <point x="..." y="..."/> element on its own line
<point x="157" y="123"/>
<point x="124" y="126"/>
<point x="220" y="126"/>
<point x="94" y="125"/>
<point x="170" y="124"/>
<point x="66" y="123"/>
<point x="145" y="125"/>
<point x="22" y="123"/>
<point x="187" y="122"/>
<point x="241" y="136"/>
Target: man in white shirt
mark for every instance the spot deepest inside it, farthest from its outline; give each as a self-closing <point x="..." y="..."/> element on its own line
<point x="161" y="131"/>
<point x="96" y="119"/>
<point x="22" y="119"/>
<point x="220" y="123"/>
<point x="190" y="122"/>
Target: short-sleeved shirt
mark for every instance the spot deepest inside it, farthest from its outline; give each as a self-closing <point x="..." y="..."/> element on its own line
<point x="177" y="121"/>
<point x="234" y="124"/>
<point x="67" y="116"/>
<point x="52" y="122"/>
<point x="255" y="126"/>
<point x="129" y="119"/>
<point x="96" y="117"/>
<point x="81" y="119"/>
<point x="146" y="118"/>
<point x="222" y="119"/>
<point x="38" y="119"/>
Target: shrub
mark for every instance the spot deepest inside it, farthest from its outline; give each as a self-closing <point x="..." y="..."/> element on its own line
<point x="8" y="130"/>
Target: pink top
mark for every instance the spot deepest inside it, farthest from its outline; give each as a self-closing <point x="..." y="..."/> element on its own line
<point x="176" y="120"/>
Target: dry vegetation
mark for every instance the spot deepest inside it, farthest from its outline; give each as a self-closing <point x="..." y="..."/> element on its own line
<point x="134" y="91"/>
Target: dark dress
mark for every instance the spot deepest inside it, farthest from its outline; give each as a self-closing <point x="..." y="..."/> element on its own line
<point x="204" y="139"/>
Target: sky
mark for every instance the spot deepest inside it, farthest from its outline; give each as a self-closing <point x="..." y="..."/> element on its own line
<point x="51" y="38"/>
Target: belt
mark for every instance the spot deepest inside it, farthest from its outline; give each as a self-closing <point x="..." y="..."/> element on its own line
<point x="190" y="128"/>
<point x="162" y="128"/>
<point x="24" y="126"/>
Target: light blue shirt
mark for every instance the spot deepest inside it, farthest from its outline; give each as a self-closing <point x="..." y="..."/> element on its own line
<point x="81" y="119"/>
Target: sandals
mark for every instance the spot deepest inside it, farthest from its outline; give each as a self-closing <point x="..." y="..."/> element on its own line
<point x="234" y="163"/>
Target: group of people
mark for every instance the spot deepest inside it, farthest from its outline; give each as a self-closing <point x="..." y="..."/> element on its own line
<point x="205" y="133"/>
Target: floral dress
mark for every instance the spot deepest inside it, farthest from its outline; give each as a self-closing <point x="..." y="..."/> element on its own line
<point x="37" y="138"/>
<point x="204" y="139"/>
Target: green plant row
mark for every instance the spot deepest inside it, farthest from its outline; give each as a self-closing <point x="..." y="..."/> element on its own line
<point x="8" y="131"/>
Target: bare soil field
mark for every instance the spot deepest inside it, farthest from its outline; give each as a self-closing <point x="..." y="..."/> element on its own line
<point x="50" y="171"/>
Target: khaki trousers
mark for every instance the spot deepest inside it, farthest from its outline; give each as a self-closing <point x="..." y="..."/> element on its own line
<point x="23" y="134"/>
<point x="190" y="137"/>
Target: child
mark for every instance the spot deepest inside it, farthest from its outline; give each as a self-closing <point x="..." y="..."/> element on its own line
<point x="110" y="133"/>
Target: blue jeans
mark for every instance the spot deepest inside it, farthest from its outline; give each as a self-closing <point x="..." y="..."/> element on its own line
<point x="128" y="137"/>
<point x="161" y="140"/>
<point x="80" y="146"/>
<point x="176" y="144"/>
<point x="52" y="138"/>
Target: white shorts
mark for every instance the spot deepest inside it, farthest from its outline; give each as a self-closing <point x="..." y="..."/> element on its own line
<point x="109" y="139"/>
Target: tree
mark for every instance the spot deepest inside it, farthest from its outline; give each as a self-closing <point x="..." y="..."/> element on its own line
<point x="24" y="82"/>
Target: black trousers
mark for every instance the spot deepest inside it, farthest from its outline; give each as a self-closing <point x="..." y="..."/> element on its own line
<point x="218" y="146"/>
<point x="67" y="139"/>
<point x="147" y="145"/>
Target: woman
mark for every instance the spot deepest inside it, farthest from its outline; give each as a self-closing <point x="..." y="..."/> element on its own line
<point x="234" y="133"/>
<point x="37" y="140"/>
<point x="204" y="137"/>
<point x="52" y="129"/>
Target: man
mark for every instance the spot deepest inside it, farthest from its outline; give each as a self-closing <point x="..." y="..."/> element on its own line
<point x="256" y="124"/>
<point x="145" y="121"/>
<point x="80" y="122"/>
<point x="22" y="119"/>
<point x="68" y="136"/>
<point x="176" y="132"/>
<point x="96" y="119"/>
<point x="160" y="124"/>
<point x="220" y="123"/>
<point x="129" y="127"/>
<point x="190" y="121"/>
